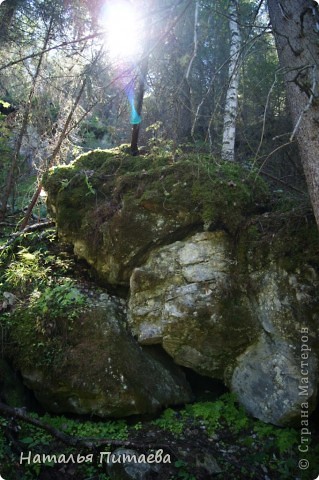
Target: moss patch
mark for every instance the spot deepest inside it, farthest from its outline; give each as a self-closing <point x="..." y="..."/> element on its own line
<point x="115" y="207"/>
<point x="225" y="192"/>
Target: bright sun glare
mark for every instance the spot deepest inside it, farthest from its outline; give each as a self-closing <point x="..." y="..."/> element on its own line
<point x="122" y="29"/>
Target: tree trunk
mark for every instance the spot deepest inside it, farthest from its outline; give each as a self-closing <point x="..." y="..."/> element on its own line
<point x="295" y="26"/>
<point x="139" y="97"/>
<point x="231" y="103"/>
<point x="137" y="102"/>
<point x="185" y="109"/>
<point x="7" y="12"/>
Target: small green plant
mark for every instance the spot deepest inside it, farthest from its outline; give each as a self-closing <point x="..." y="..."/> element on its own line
<point x="170" y="420"/>
<point x="115" y="429"/>
<point x="283" y="439"/>
<point x="208" y="413"/>
<point x="233" y="413"/>
<point x="183" y="472"/>
<point x="25" y="269"/>
<point x="91" y="190"/>
<point x="138" y="426"/>
<point x="57" y="300"/>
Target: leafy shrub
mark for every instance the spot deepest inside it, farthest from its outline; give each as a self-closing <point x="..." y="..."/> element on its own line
<point x="57" y="300"/>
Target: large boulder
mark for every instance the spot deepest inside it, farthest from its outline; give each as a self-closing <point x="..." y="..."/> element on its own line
<point x="269" y="376"/>
<point x="103" y="371"/>
<point x="221" y="287"/>
<point x="223" y="320"/>
<point x="115" y="209"/>
<point x="268" y="381"/>
<point x="184" y="299"/>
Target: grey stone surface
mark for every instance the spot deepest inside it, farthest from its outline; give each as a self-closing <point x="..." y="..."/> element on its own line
<point x="105" y="372"/>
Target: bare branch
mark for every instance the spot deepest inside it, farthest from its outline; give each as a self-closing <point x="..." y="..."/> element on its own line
<point x="311" y="96"/>
<point x="54" y="47"/>
<point x="90" y="443"/>
<point x="30" y="228"/>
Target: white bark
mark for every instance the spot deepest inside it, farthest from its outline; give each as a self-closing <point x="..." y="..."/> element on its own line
<point x="231" y="103"/>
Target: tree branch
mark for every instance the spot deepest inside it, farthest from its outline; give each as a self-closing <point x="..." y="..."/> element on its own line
<point x="30" y="228"/>
<point x="89" y="443"/>
<point x="311" y="97"/>
<point x="54" y="154"/>
<point x="54" y="47"/>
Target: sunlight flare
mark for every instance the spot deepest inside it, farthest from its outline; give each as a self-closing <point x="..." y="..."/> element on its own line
<point x="123" y="36"/>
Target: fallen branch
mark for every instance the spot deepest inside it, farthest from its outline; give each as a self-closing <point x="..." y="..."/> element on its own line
<point x="30" y="228"/>
<point x="89" y="443"/>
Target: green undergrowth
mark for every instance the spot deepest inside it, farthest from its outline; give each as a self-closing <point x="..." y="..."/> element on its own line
<point x="244" y="448"/>
<point x="40" y="300"/>
<point x="209" y="414"/>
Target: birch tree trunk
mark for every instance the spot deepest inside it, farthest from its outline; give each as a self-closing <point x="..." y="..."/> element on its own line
<point x="296" y="29"/>
<point x="231" y="103"/>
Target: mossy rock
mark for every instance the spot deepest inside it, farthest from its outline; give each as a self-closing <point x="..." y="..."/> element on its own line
<point x="115" y="208"/>
<point x="104" y="371"/>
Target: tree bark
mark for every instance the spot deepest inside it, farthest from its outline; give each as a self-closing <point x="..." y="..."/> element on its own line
<point x="139" y="97"/>
<point x="7" y="12"/>
<point x="231" y="103"/>
<point x="296" y="29"/>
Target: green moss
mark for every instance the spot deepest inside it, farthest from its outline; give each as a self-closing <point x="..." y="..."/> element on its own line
<point x="227" y="195"/>
<point x="39" y="328"/>
<point x="223" y="194"/>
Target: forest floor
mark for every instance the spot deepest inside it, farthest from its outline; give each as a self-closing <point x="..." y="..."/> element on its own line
<point x="190" y="446"/>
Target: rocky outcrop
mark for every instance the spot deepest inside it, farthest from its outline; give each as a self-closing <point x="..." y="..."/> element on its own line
<point x="268" y="381"/>
<point x="222" y="289"/>
<point x="105" y="372"/>
<point x="193" y="298"/>
<point x="269" y="377"/>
